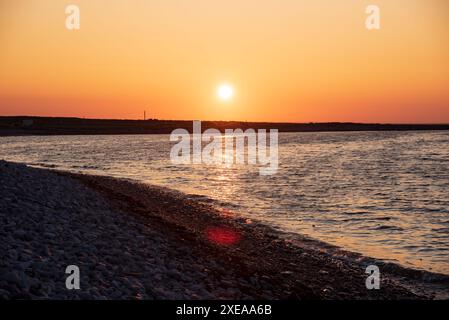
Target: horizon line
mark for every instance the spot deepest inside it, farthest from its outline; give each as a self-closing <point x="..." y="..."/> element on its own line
<point x="242" y="121"/>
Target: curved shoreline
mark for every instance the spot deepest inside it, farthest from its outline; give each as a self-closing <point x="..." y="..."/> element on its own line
<point x="126" y="191"/>
<point x="207" y="253"/>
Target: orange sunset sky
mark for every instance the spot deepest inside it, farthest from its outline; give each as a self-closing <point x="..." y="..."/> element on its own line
<point x="287" y="60"/>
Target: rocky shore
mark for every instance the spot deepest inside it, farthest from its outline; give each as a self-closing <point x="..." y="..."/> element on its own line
<point x="134" y="241"/>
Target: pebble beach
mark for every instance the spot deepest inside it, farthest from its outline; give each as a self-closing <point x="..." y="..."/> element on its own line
<point x="133" y="241"/>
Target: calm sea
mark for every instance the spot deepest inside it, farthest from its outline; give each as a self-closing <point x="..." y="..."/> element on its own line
<point x="383" y="194"/>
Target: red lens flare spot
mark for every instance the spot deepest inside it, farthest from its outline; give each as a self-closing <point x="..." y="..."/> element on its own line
<point x="223" y="236"/>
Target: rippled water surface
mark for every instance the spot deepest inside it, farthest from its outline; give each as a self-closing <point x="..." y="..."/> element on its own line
<point x="384" y="194"/>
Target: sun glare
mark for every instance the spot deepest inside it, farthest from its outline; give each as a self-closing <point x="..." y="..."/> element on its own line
<point x="225" y="92"/>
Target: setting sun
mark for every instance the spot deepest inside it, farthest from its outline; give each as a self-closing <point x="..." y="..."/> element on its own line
<point x="225" y="92"/>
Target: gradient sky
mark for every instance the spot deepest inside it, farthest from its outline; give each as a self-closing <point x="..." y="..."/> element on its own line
<point x="289" y="60"/>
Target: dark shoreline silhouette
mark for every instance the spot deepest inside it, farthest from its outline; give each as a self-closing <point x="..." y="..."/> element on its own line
<point x="25" y="125"/>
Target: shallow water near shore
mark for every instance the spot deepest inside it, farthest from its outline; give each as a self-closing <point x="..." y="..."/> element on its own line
<point x="383" y="194"/>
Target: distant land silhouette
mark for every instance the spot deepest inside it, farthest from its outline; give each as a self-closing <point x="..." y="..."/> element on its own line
<point x="24" y="125"/>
